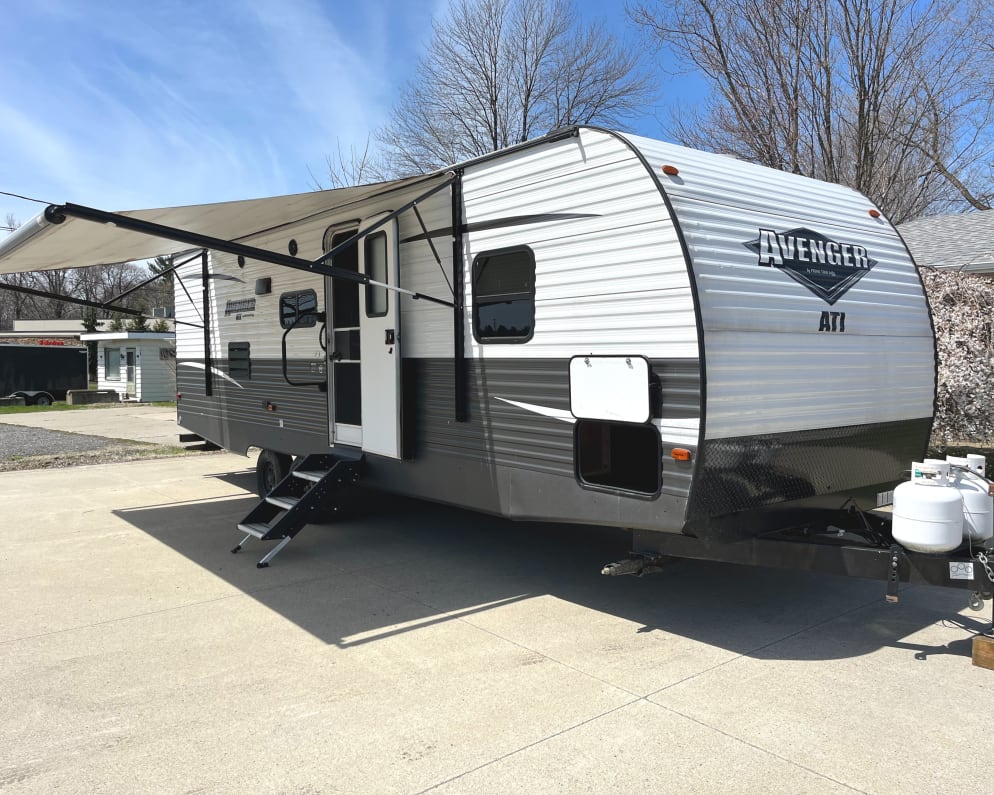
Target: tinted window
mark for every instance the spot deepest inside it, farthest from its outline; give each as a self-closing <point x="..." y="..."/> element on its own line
<point x="299" y="309"/>
<point x="239" y="359"/>
<point x="504" y="296"/>
<point x="376" y="269"/>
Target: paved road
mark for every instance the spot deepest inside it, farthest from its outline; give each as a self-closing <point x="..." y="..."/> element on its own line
<point x="419" y="648"/>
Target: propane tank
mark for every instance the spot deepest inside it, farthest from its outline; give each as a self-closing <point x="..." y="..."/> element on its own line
<point x="928" y="511"/>
<point x="977" y="463"/>
<point x="978" y="506"/>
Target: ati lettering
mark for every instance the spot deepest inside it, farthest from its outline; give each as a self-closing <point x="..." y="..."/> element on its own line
<point x="832" y="321"/>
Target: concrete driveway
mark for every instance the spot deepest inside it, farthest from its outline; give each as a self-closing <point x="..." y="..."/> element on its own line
<point x="142" y="423"/>
<point x="419" y="648"/>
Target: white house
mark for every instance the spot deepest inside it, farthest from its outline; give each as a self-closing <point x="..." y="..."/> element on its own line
<point x="139" y="365"/>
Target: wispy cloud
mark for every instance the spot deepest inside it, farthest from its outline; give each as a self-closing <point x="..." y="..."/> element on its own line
<point x="124" y="105"/>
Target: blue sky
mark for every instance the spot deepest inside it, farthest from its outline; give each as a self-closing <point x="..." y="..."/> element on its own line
<point x="121" y="104"/>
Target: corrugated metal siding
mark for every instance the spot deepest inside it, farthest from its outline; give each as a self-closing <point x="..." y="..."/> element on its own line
<point x="515" y="435"/>
<point x="189" y="338"/>
<point x="426" y="327"/>
<point x="611" y="280"/>
<point x="769" y="369"/>
<point x="241" y="409"/>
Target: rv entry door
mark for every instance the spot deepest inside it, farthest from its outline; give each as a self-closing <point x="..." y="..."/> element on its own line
<point x="364" y="342"/>
<point x="342" y="305"/>
<point x="380" y="342"/>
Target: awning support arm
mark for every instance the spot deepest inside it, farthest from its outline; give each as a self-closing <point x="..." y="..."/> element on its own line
<point x="56" y="214"/>
<point x="449" y="179"/>
<point x="434" y="251"/>
<point x="155" y="276"/>
<point x="189" y="297"/>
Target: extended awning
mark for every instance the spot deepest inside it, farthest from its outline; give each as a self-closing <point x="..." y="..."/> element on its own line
<point x="73" y="242"/>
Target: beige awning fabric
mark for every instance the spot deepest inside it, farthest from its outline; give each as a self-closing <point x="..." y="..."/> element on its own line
<point x="75" y="243"/>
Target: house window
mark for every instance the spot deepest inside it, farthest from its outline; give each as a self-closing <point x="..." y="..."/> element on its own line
<point x="112" y="364"/>
<point x="504" y="295"/>
<point x="376" y="269"/>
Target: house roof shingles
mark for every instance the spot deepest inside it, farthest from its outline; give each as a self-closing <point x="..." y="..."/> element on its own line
<point x="954" y="242"/>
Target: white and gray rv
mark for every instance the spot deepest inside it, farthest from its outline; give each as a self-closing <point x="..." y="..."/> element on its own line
<point x="737" y="363"/>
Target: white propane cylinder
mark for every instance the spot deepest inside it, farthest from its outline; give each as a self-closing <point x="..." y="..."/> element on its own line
<point x="928" y="512"/>
<point x="978" y="505"/>
<point x="977" y="463"/>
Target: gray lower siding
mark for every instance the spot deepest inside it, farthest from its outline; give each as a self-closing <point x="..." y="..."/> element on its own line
<point x="504" y="459"/>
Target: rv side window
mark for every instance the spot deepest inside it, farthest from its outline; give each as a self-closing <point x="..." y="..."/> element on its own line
<point x="504" y="295"/>
<point x="299" y="309"/>
<point x="239" y="360"/>
<point x="112" y="364"/>
<point x="376" y="269"/>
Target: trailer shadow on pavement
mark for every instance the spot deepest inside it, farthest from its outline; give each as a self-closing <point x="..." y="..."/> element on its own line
<point x="399" y="565"/>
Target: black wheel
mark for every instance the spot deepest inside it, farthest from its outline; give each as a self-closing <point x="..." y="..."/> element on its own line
<point x="270" y="469"/>
<point x="43" y="400"/>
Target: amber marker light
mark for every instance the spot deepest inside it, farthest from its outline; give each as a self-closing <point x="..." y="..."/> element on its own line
<point x="670" y="171"/>
<point x="680" y="454"/>
<point x="874" y="213"/>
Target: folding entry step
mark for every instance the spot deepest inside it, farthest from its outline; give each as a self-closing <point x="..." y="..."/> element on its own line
<point x="292" y="503"/>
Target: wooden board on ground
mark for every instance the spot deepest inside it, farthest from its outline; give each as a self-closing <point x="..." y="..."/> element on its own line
<point x="983" y="651"/>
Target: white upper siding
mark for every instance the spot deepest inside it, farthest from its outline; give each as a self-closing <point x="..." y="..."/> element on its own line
<point x="611" y="279"/>
<point x="768" y="367"/>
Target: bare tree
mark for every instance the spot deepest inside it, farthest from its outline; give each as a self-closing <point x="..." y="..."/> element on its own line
<point x="498" y="72"/>
<point x="354" y="167"/>
<point x="891" y="97"/>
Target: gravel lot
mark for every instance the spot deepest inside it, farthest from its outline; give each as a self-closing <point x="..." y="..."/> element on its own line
<point x="19" y="440"/>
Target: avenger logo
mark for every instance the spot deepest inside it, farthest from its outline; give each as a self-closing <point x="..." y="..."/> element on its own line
<point x="826" y="267"/>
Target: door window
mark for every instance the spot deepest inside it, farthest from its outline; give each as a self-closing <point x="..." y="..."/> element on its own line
<point x="376" y="269"/>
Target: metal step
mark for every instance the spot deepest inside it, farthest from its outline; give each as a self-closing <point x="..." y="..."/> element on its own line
<point x="254" y="529"/>
<point x="312" y="474"/>
<point x="286" y="503"/>
<point x="280" y="515"/>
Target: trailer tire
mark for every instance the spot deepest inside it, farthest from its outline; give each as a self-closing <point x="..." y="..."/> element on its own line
<point x="270" y="468"/>
<point x="42" y="399"/>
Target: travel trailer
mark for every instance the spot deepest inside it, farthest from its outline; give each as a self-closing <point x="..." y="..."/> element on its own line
<point x="736" y="363"/>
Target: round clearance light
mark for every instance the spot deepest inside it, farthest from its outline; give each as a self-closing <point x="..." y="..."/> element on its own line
<point x="874" y="213"/>
<point x="670" y="171"/>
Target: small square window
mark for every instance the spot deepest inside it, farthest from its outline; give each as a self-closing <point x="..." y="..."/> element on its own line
<point x="504" y="295"/>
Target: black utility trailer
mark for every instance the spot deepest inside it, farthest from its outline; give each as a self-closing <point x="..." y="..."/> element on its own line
<point x="42" y="374"/>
